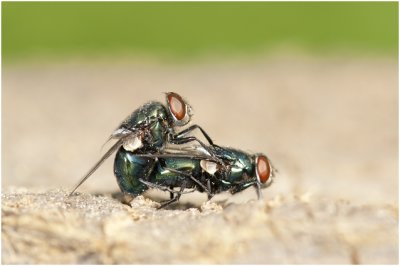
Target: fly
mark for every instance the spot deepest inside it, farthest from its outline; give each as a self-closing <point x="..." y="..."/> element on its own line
<point x="150" y="127"/>
<point x="239" y="170"/>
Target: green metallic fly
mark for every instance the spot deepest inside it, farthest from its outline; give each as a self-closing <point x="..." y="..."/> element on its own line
<point x="239" y="170"/>
<point x="149" y="128"/>
<point x="145" y="157"/>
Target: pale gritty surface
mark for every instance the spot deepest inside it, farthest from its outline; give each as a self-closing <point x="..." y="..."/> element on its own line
<point x="52" y="228"/>
<point x="329" y="125"/>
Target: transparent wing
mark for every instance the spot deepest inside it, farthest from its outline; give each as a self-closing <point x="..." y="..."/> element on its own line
<point x="100" y="162"/>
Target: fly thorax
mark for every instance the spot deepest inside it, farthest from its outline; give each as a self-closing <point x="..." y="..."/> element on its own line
<point x="209" y="167"/>
<point x="133" y="143"/>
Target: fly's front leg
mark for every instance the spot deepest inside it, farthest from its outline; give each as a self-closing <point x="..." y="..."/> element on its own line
<point x="239" y="186"/>
<point x="183" y="140"/>
<point x="191" y="128"/>
<point x="259" y="193"/>
<point x="180" y="137"/>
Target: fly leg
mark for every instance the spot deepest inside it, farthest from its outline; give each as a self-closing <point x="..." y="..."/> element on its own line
<point x="184" y="140"/>
<point x="181" y="138"/>
<point x="174" y="199"/>
<point x="191" y="128"/>
<point x="209" y="195"/>
<point x="126" y="199"/>
<point x="194" y="179"/>
<point x="259" y="193"/>
<point x="164" y="188"/>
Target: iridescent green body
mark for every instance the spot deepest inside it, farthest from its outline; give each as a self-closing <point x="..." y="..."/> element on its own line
<point x="146" y="132"/>
<point x="153" y="121"/>
<point x="129" y="168"/>
<point x="237" y="174"/>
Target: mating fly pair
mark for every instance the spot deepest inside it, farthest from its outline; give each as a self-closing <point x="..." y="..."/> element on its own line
<point x="152" y="154"/>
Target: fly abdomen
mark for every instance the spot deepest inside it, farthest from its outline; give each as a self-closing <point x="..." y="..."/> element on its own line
<point x="129" y="168"/>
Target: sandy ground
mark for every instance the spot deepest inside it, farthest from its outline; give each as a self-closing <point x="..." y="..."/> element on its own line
<point x="330" y="126"/>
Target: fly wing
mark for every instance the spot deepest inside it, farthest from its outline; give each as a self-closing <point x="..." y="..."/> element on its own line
<point x="135" y="122"/>
<point x="97" y="165"/>
<point x="126" y="129"/>
<point x="189" y="148"/>
<point x="121" y="134"/>
<point x="129" y="128"/>
<point x="122" y="131"/>
<point x="173" y="154"/>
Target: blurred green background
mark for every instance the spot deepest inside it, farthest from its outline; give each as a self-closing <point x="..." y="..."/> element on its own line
<point x="192" y="29"/>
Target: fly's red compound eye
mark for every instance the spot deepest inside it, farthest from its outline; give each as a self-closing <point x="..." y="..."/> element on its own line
<point x="177" y="106"/>
<point x="263" y="169"/>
